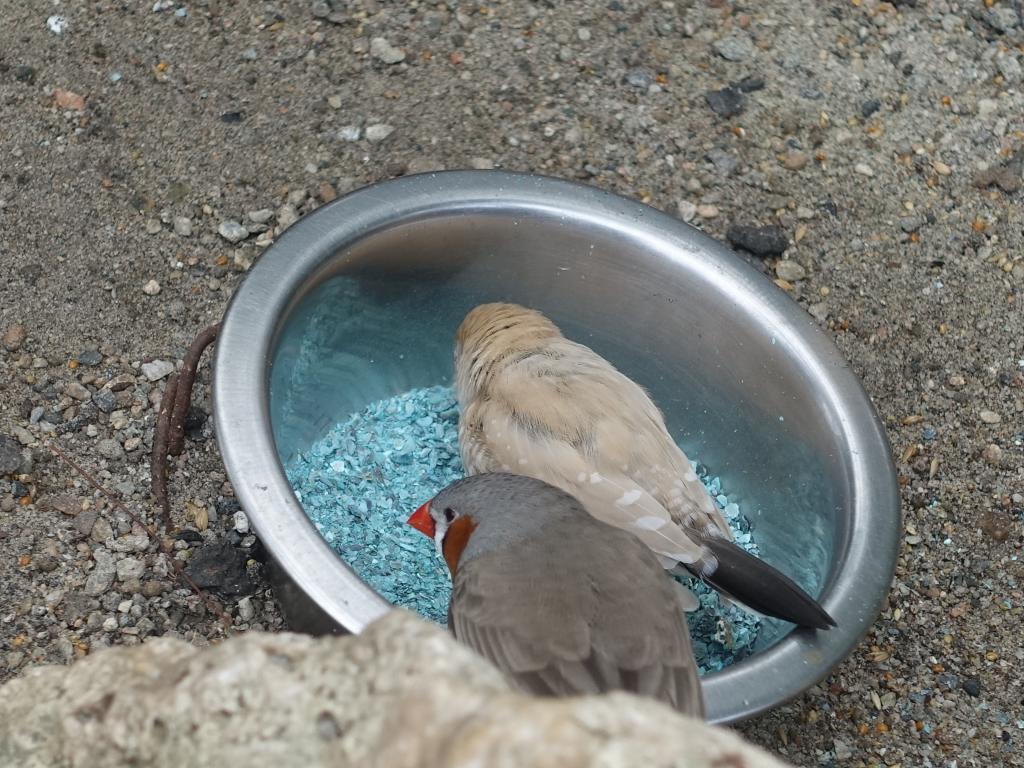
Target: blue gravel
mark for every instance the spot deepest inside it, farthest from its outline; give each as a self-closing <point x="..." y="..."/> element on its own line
<point x="360" y="482"/>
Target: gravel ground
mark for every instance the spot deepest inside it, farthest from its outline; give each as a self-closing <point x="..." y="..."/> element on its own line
<point x="149" y="152"/>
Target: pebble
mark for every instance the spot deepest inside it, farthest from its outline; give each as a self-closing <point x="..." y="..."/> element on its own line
<point x="221" y="567"/>
<point x="760" y="241"/>
<point x="157" y="369"/>
<point x="232" y="231"/>
<point x="869" y="107"/>
<point x="1009" y="67"/>
<point x="89" y="357"/>
<point x="110" y="449"/>
<point x="10" y="455"/>
<point x="14" y="337"/>
<point x="130" y="568"/>
<point x="990" y="417"/>
<point x="246" y="610"/>
<point x="986" y="107"/>
<point x="687" y="210"/>
<point x="864" y="169"/>
<point x="707" y="211"/>
<point x="727" y="102"/>
<point x="77" y="391"/>
<point x="262" y="216"/>
<point x="105" y="400"/>
<point x="241" y="522"/>
<point x="734" y="47"/>
<point x="794" y="160"/>
<point x="101" y="577"/>
<point x="790" y="271"/>
<point x="640" y="79"/>
<point x="183" y="226"/>
<point x="286" y="216"/>
<point x="350" y="133"/>
<point x="941" y="168"/>
<point x="992" y="454"/>
<point x="151" y="288"/>
<point x="378" y="132"/>
<point x="384" y="51"/>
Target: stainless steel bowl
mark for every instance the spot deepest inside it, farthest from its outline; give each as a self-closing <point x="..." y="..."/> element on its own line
<point x="360" y="300"/>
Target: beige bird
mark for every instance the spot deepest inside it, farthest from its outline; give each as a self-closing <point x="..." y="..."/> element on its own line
<point x="535" y="403"/>
<point x="562" y="603"/>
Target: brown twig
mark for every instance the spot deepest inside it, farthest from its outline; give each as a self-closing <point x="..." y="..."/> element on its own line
<point x="183" y="394"/>
<point x="165" y="545"/>
<point x="169" y="435"/>
<point x="158" y="460"/>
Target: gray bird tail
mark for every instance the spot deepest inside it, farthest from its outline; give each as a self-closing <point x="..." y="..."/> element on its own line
<point x="757" y="585"/>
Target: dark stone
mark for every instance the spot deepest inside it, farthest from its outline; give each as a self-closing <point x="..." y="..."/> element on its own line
<point x="869" y="107"/>
<point x="189" y="535"/>
<point x="232" y="117"/>
<point x="25" y="74"/>
<point x="220" y="567"/>
<point x="226" y="507"/>
<point x="195" y="420"/>
<point x="89" y="357"/>
<point x="10" y="455"/>
<point x="728" y="102"/>
<point x="84" y="522"/>
<point x="972" y="686"/>
<point x="760" y="241"/>
<point x="45" y="563"/>
<point x="105" y="400"/>
<point x="749" y="84"/>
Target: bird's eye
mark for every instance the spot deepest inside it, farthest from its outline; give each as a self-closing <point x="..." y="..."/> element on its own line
<point x="449" y="515"/>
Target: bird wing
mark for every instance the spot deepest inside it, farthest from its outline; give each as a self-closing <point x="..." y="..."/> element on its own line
<point x="581" y="609"/>
<point x="566" y="416"/>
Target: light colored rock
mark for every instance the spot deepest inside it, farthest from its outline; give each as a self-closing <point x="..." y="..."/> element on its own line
<point x="381" y="49"/>
<point x="232" y="231"/>
<point x="378" y="132"/>
<point x="183" y="226"/>
<point x="157" y="369"/>
<point x="400" y="695"/>
<point x="790" y="271"/>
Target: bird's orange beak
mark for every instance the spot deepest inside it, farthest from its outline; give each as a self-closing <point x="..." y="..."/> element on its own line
<point x="422" y="521"/>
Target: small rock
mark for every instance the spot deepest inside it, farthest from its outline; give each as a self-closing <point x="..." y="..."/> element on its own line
<point x="869" y="107"/>
<point x="45" y="563"/>
<point x="68" y="100"/>
<point x="910" y="224"/>
<point x="152" y="288"/>
<point x="727" y="102"/>
<point x="687" y="210"/>
<point x="941" y="168"/>
<point x="972" y="686"/>
<point x="864" y="169"/>
<point x="382" y="50"/>
<point x="349" y="133"/>
<point x="132" y="443"/>
<point x="153" y="588"/>
<point x="232" y="231"/>
<point x="990" y="417"/>
<point x="77" y="391"/>
<point x="65" y="504"/>
<point x="286" y="216"/>
<point x="157" y="369"/>
<point x="10" y="455"/>
<point x="334" y="102"/>
<point x="734" y="47"/>
<point x="790" y="271"/>
<point x="130" y="568"/>
<point x="154" y="227"/>
<point x="760" y="241"/>
<point x="992" y="454"/>
<point x="262" y="216"/>
<point x="241" y="522"/>
<point x="246" y="610"/>
<point x="639" y="78"/>
<point x="378" y="132"/>
<point x="89" y="357"/>
<point x="57" y="24"/>
<point x="326" y="192"/>
<point x="14" y="337"/>
<point x="987" y="106"/>
<point x="110" y="449"/>
<point x="707" y="211"/>
<point x="220" y="566"/>
<point x="794" y="161"/>
<point x="481" y="163"/>
<point x="1009" y="67"/>
<point x="25" y="74"/>
<point x="121" y="382"/>
<point x="101" y="577"/>
<point x="105" y="401"/>
<point x="183" y="226"/>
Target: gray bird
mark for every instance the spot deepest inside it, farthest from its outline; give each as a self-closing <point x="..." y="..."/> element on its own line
<point x="562" y="603"/>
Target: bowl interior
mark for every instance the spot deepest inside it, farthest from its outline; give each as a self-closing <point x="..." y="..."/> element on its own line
<point x="379" y="318"/>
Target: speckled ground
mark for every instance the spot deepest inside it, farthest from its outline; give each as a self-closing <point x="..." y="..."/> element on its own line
<point x="883" y="143"/>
